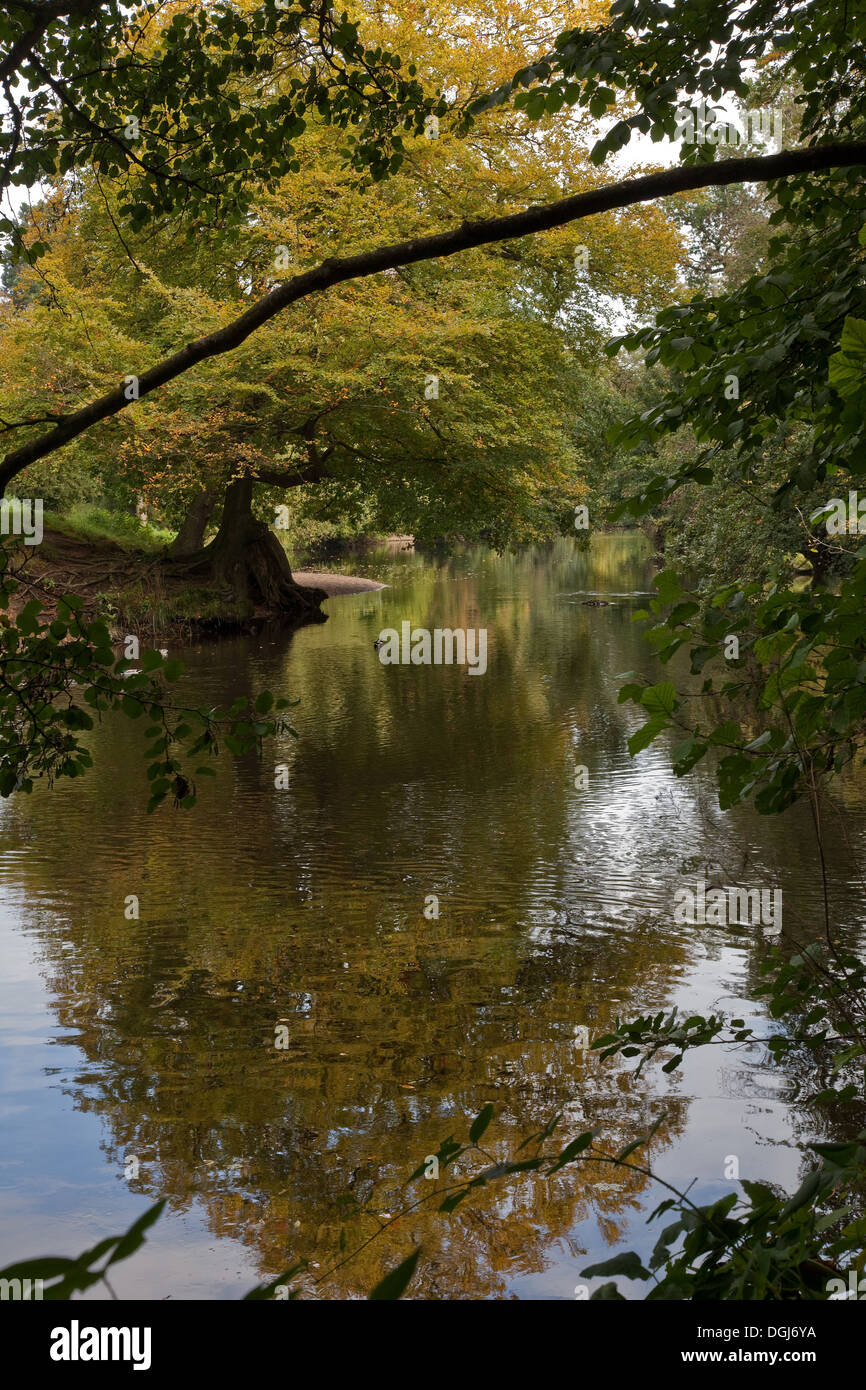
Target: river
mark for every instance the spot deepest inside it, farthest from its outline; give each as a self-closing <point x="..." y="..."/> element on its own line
<point x="425" y="917"/>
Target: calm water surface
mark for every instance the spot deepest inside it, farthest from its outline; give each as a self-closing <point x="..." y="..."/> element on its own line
<point x="138" y="1057"/>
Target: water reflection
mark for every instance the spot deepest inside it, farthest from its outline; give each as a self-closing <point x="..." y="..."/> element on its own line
<point x="303" y="908"/>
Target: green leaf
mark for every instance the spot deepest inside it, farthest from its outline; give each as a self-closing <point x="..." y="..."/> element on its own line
<point x="660" y="699"/>
<point x="572" y="1150"/>
<point x="802" y="1196"/>
<point x="854" y="336"/>
<point x="645" y="735"/>
<point x="135" y="1235"/>
<point x="395" y="1284"/>
<point x="626" y="1263"/>
<point x="480" y="1123"/>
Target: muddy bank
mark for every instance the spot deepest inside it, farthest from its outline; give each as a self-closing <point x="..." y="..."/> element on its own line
<point x="139" y="591"/>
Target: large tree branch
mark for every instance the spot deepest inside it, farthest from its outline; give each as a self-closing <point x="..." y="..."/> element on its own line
<point x="753" y="169"/>
<point x="295" y="477"/>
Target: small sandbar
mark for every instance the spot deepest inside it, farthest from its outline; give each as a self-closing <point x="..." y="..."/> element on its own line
<point x="335" y="583"/>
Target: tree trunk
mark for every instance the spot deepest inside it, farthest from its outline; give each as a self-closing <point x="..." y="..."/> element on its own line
<point x="190" y="537"/>
<point x="819" y="556"/>
<point x="246" y="565"/>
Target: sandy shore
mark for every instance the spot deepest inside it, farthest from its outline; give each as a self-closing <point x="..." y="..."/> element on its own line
<point x="335" y="583"/>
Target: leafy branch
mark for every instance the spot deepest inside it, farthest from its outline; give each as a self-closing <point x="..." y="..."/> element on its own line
<point x="58" y="677"/>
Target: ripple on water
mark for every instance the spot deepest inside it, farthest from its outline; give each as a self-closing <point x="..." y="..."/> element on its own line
<point x="431" y="909"/>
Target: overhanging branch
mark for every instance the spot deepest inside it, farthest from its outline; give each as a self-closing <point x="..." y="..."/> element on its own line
<point x="295" y="477"/>
<point x="754" y="169"/>
<point x="44" y="16"/>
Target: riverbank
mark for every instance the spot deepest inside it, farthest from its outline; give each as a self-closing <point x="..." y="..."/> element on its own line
<point x="134" y="590"/>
